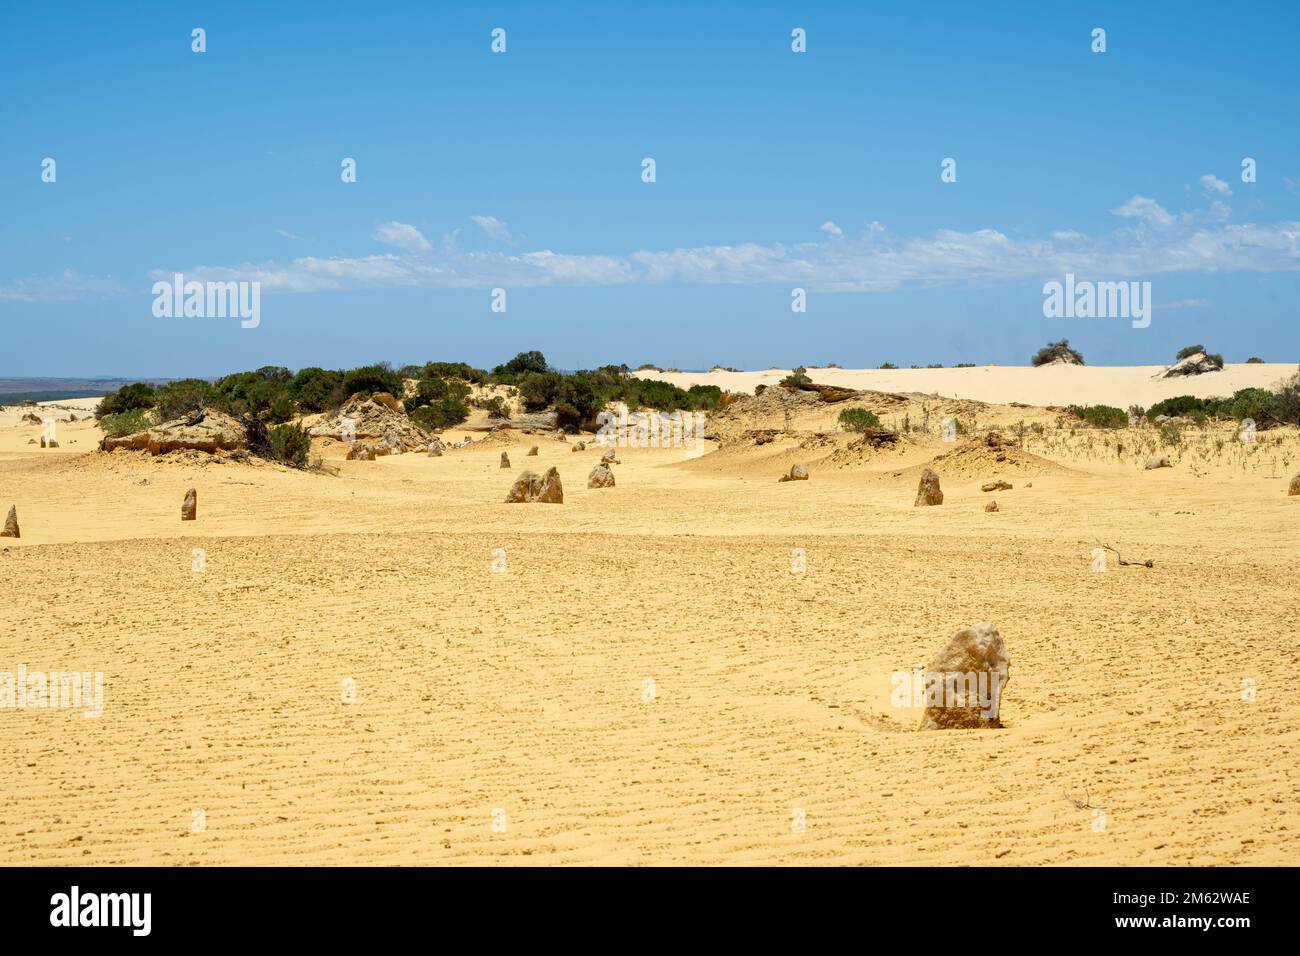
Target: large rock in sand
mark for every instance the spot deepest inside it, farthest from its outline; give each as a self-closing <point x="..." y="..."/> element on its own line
<point x="208" y="431"/>
<point x="1157" y="461"/>
<point x="190" y="506"/>
<point x="1295" y="485"/>
<point x="505" y="460"/>
<point x="602" y="476"/>
<point x="964" y="683"/>
<point x="11" y="524"/>
<point x="372" y="418"/>
<point x="798" y="472"/>
<point x="928" y="491"/>
<point x="1198" y="363"/>
<point x="530" y="487"/>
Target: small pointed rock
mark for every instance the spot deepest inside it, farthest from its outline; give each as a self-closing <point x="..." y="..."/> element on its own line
<point x="928" y="491"/>
<point x="991" y="506"/>
<point x="190" y="506"/>
<point x="505" y="460"/>
<point x="533" y="450"/>
<point x="11" y="524"/>
<point x="602" y="476"/>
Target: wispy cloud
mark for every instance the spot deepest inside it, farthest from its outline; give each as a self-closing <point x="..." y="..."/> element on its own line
<point x="287" y="234"/>
<point x="1150" y="242"/>
<point x="62" y="286"/>
<point x="492" y="227"/>
<point x="831" y="229"/>
<point x="402" y="236"/>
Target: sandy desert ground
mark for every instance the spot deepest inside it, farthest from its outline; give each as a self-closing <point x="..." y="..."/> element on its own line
<point x="507" y="718"/>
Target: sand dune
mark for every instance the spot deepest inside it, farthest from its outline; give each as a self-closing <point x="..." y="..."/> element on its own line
<point x="525" y="692"/>
<point x="1060" y="385"/>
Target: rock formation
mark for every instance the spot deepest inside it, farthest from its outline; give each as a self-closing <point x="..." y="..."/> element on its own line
<point x="965" y="682"/>
<point x="928" y="491"/>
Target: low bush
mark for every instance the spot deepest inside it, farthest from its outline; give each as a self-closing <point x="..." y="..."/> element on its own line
<point x="858" y="419"/>
<point x="1101" y="416"/>
<point x="124" y="423"/>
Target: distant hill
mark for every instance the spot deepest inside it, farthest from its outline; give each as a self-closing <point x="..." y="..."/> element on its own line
<point x="13" y="390"/>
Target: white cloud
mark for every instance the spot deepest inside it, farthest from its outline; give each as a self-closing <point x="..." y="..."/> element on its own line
<point x="1214" y="186"/>
<point x="493" y="227"/>
<point x="402" y="236"/>
<point x="831" y="229"/>
<point x="1196" y="241"/>
<point x="287" y="234"/>
<point x="1147" y="210"/>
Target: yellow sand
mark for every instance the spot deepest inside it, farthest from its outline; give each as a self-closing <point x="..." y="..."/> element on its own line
<point x="1049" y="385"/>
<point x="526" y="691"/>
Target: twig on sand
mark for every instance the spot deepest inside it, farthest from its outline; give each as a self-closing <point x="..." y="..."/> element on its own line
<point x="1130" y="564"/>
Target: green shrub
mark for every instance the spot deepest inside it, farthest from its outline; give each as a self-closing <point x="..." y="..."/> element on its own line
<point x="1101" y="416"/>
<point x="567" y="417"/>
<point x="1254" y="360"/>
<point x="1252" y="403"/>
<point x="522" y="364"/>
<point x="441" y="414"/>
<point x="1179" y="405"/>
<point x="457" y="370"/>
<point x="176" y="399"/>
<point x="539" y="389"/>
<point x="289" y="445"/>
<point x="858" y="419"/>
<point x="1189" y="350"/>
<point x="124" y="423"/>
<point x="1170" y="435"/>
<point x="704" y="398"/>
<point x="369" y="379"/>
<point x="494" y="406"/>
<point x="964" y="365"/>
<point x="797" y="377"/>
<point x="137" y="395"/>
<point x="317" y="389"/>
<point x="888" y="365"/>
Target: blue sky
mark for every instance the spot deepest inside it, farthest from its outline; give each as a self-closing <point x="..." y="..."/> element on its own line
<point x="522" y="170"/>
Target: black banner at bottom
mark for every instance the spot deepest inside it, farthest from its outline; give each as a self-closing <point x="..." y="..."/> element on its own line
<point x="338" y="905"/>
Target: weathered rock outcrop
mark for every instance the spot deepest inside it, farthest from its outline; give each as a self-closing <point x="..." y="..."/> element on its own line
<point x="208" y="431"/>
<point x="366" y="418"/>
<point x="505" y="460"/>
<point x="1295" y="485"/>
<point x="531" y="487"/>
<point x="602" y="476"/>
<point x="965" y="682"/>
<point x="11" y="524"/>
<point x="928" y="491"/>
<point x="1198" y="363"/>
<point x="798" y="472"/>
<point x="190" y="506"/>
